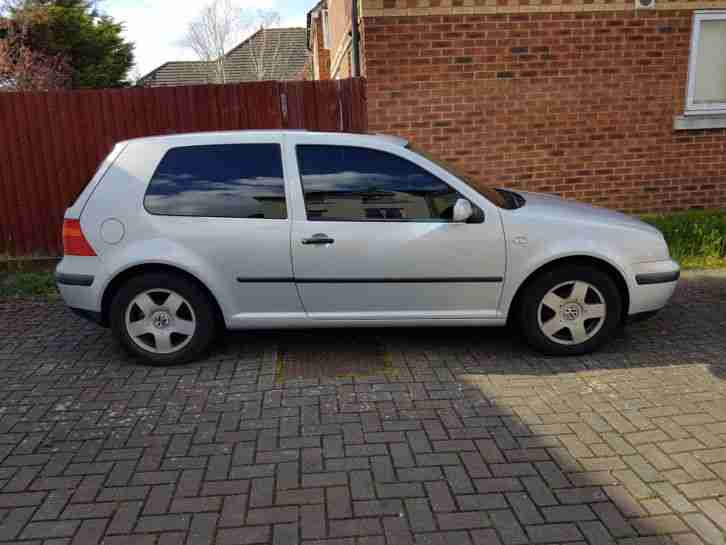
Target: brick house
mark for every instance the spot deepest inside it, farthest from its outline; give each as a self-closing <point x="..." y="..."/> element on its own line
<point x="621" y="103"/>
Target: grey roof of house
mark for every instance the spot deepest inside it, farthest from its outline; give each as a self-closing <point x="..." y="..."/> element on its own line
<point x="269" y="54"/>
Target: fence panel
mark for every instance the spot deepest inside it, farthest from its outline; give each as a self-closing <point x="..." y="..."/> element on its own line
<point x="51" y="143"/>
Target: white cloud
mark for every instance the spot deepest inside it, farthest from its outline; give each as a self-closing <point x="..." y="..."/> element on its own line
<point x="157" y="26"/>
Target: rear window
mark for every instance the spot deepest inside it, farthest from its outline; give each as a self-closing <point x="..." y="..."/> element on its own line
<point x="224" y="181"/>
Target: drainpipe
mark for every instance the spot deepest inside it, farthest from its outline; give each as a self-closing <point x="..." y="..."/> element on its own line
<point x="355" y="41"/>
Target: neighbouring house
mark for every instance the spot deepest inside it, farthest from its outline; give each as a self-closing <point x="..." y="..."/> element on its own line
<point x="269" y="54"/>
<point x="621" y="103"/>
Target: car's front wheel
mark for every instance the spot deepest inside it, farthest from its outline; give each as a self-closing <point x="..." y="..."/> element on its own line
<point x="163" y="319"/>
<point x="570" y="310"/>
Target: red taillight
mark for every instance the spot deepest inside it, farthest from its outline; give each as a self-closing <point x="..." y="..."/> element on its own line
<point x="74" y="242"/>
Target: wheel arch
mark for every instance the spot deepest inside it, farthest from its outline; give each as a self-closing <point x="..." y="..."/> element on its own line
<point x="575" y="260"/>
<point x="153" y="268"/>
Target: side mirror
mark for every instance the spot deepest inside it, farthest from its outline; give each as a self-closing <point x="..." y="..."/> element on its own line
<point x="463" y="211"/>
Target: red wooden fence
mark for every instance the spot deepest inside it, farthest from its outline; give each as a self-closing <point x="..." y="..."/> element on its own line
<point x="52" y="143"/>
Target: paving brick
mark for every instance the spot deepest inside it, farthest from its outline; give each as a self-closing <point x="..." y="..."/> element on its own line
<point x="14" y="522"/>
<point x="399" y="490"/>
<point x="355" y="527"/>
<point x="568" y="513"/>
<point x="704" y="489"/>
<point x="397" y="531"/>
<point x="440" y="496"/>
<point x="554" y="533"/>
<point x="50" y="529"/>
<point x="596" y="533"/>
<point x="159" y="499"/>
<point x="90" y="532"/>
<point x="463" y="521"/>
<point x="339" y="502"/>
<point x="508" y="527"/>
<point x="659" y="525"/>
<point x="136" y="539"/>
<point x="21" y="499"/>
<point x="477" y="502"/>
<point x="244" y="536"/>
<point x="420" y="516"/>
<point x="458" y="479"/>
<point x="673" y="498"/>
<point x="611" y="516"/>
<point x="125" y="517"/>
<point x="361" y="485"/>
<point x="706" y="529"/>
<point x="233" y="511"/>
<point x="715" y="510"/>
<point x="524" y="508"/>
<point x="53" y="505"/>
<point x="420" y="474"/>
<point x="486" y="486"/>
<point x="88" y="510"/>
<point x="162" y="523"/>
<point x="286" y="534"/>
<point x="318" y="480"/>
<point x="377" y="508"/>
<point x="300" y="497"/>
<point x="312" y="521"/>
<point x="272" y="515"/>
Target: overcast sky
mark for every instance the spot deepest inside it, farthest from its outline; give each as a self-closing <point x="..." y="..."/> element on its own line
<point x="156" y="26"/>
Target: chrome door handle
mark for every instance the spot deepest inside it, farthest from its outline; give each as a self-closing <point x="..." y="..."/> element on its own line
<point x="320" y="238"/>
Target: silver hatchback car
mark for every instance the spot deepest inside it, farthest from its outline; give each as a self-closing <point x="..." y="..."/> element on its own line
<point x="178" y="237"/>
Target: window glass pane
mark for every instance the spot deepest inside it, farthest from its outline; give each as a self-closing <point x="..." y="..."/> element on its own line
<point x="711" y="63"/>
<point x="357" y="184"/>
<point x="228" y="181"/>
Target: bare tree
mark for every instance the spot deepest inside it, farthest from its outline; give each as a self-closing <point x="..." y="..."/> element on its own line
<point x="221" y="25"/>
<point x="210" y="35"/>
<point x="265" y="48"/>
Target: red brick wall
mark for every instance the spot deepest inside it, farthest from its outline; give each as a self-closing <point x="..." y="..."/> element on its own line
<point x="320" y="55"/>
<point x="580" y="104"/>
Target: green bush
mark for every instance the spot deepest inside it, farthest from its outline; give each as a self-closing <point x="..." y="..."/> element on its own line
<point x="696" y="239"/>
<point x="27" y="284"/>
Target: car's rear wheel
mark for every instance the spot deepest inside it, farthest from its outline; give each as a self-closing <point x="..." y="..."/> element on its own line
<point x="163" y="319"/>
<point x="570" y="310"/>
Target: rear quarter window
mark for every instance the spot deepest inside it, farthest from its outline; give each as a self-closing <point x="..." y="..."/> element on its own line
<point x="221" y="181"/>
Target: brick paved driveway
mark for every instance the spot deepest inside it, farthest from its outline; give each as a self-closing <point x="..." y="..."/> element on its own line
<point x="428" y="436"/>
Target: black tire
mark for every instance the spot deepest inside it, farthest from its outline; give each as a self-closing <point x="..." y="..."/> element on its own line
<point x="532" y="311"/>
<point x="199" y="304"/>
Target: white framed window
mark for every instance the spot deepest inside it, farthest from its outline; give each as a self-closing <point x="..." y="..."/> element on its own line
<point x="707" y="67"/>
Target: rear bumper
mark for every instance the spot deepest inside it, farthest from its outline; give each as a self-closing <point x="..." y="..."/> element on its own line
<point x="653" y="285"/>
<point x="78" y="281"/>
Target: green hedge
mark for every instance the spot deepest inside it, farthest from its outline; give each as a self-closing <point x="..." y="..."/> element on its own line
<point x="28" y="284"/>
<point x="696" y="239"/>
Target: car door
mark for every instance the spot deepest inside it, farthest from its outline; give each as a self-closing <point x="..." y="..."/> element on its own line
<point x="375" y="238"/>
<point x="222" y="201"/>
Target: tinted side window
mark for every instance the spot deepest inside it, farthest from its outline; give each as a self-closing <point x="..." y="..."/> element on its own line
<point x="226" y="181"/>
<point x="343" y="183"/>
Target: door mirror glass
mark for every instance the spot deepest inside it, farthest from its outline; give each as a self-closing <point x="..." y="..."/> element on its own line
<point x="463" y="211"/>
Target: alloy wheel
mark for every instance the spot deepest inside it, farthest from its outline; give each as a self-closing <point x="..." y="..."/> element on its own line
<point x="160" y="321"/>
<point x="572" y="313"/>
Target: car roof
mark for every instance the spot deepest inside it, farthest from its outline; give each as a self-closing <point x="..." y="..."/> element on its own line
<point x="368" y="138"/>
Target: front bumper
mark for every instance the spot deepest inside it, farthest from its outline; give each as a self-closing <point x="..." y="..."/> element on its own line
<point x="653" y="285"/>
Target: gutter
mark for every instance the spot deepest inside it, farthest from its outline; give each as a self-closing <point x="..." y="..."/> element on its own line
<point x="355" y="44"/>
